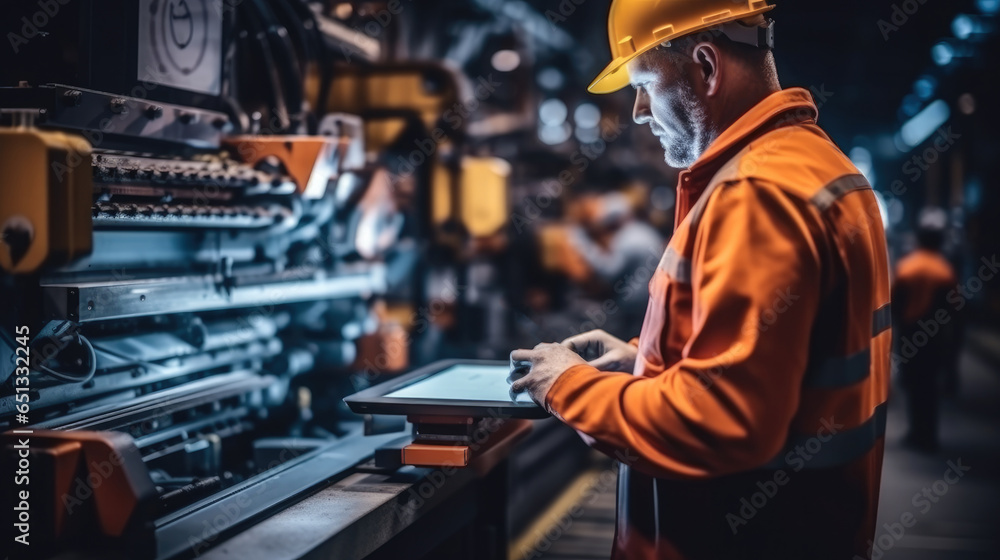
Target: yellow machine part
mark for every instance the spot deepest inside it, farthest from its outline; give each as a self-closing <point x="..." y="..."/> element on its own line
<point x="45" y="199"/>
<point x="391" y="88"/>
<point x="482" y="195"/>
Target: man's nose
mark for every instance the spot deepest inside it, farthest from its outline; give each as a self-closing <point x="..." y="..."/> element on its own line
<point x="640" y="111"/>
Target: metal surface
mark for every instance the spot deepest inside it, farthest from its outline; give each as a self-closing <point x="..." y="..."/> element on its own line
<point x="117" y="415"/>
<point x="124" y="384"/>
<point x="196" y="528"/>
<point x="115" y="118"/>
<point x="348" y="520"/>
<point x="350" y="40"/>
<point x="94" y="301"/>
<point x="185" y="216"/>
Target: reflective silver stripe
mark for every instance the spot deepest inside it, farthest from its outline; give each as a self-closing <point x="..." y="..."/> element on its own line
<point x="677" y="267"/>
<point x="840" y="371"/>
<point x="843" y="371"/>
<point x="841" y="448"/>
<point x="882" y="320"/>
<point x="838" y="188"/>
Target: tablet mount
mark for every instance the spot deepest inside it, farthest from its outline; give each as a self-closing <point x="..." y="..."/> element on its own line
<point x="453" y="441"/>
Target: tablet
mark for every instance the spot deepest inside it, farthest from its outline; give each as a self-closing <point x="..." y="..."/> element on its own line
<point x="477" y="389"/>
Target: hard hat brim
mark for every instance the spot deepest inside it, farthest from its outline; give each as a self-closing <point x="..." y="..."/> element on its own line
<point x="615" y="75"/>
<point x="613" y="78"/>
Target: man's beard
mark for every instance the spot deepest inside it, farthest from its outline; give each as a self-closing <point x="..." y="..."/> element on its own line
<point x="689" y="137"/>
<point x="677" y="153"/>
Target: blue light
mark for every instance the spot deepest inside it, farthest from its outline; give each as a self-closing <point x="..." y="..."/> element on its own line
<point x="942" y="53"/>
<point x="505" y="60"/>
<point x="552" y="112"/>
<point x="988" y="7"/>
<point x="883" y="209"/>
<point x="587" y="115"/>
<point x="973" y="194"/>
<point x="920" y="127"/>
<point x="861" y="157"/>
<point x="911" y="105"/>
<point x="962" y="26"/>
<point x="552" y="135"/>
<point x="933" y="217"/>
<point x="550" y="79"/>
<point x="924" y="87"/>
<point x="587" y="135"/>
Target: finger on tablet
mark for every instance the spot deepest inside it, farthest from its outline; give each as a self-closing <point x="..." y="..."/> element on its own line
<point x="519" y="386"/>
<point x="518" y="372"/>
<point x="516" y="375"/>
<point x="513" y="394"/>
<point x="521" y="355"/>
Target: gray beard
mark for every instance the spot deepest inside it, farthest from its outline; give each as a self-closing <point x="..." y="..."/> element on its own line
<point x="679" y="155"/>
<point x="682" y="152"/>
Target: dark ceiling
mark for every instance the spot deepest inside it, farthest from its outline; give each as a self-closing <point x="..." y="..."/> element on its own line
<point x="834" y="47"/>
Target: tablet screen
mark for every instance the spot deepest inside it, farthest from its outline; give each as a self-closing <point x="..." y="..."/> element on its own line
<point x="465" y="382"/>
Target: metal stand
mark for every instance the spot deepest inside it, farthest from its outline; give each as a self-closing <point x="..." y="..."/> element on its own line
<point x="482" y="445"/>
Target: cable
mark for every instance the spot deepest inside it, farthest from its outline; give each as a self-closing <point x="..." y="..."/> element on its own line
<point x="255" y="28"/>
<point x="283" y="52"/>
<point x="62" y="342"/>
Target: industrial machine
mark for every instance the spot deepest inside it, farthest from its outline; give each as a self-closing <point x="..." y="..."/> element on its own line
<point x="198" y="233"/>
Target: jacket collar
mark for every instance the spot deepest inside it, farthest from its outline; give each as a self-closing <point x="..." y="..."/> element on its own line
<point x="787" y="107"/>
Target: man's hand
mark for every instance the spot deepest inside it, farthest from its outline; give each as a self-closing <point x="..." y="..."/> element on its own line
<point x="548" y="361"/>
<point x="603" y="351"/>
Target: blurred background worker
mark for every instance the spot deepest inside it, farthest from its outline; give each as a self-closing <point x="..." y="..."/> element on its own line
<point x="764" y="354"/>
<point x="923" y="280"/>
<point x="615" y="244"/>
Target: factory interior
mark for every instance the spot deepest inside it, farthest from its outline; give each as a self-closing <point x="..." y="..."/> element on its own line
<point x="222" y="218"/>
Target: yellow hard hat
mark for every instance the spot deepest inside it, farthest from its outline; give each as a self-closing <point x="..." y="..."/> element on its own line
<point x="636" y="26"/>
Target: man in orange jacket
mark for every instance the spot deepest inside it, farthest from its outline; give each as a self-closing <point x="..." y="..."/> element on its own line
<point x="924" y="326"/>
<point x="749" y="414"/>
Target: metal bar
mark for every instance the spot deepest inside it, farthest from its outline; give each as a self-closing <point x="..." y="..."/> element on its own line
<point x="125" y="382"/>
<point x="188" y="395"/>
<point x="97" y="301"/>
<point x="116" y="115"/>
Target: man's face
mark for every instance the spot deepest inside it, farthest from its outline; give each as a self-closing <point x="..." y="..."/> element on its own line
<point x="666" y="100"/>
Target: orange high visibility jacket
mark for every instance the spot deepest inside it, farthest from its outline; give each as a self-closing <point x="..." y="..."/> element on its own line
<point x="922" y="279"/>
<point x="752" y="425"/>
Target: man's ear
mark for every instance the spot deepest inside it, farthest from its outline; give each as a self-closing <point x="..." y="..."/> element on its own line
<point x="706" y="57"/>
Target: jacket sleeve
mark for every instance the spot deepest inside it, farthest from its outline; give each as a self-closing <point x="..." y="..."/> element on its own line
<point x="726" y="406"/>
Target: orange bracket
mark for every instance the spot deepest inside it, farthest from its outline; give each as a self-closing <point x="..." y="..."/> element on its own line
<point x="310" y="161"/>
<point x="446" y="441"/>
<point x="82" y="483"/>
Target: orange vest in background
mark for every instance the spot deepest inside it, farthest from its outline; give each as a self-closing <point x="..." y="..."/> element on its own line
<point x="922" y="279"/>
<point x="752" y="425"/>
